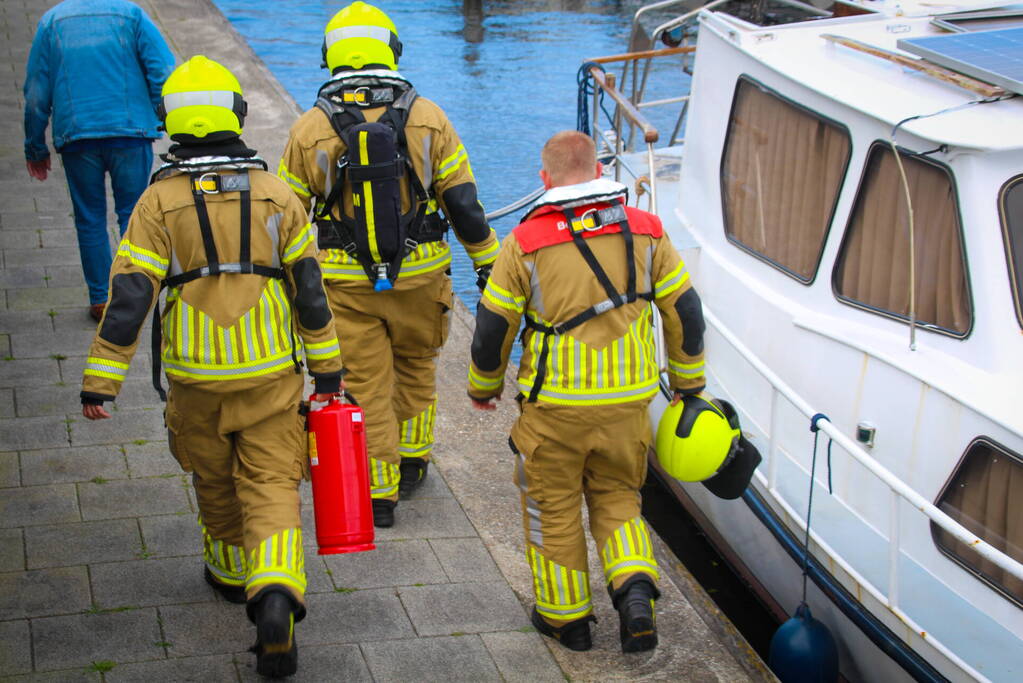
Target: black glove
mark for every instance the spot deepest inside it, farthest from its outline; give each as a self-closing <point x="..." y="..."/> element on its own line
<point x="482" y="275"/>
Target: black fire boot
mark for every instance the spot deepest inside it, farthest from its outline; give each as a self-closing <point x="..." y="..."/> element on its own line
<point x="274" y="612"/>
<point x="235" y="594"/>
<point x="413" y="473"/>
<point x="635" y="604"/>
<point x="575" y="635"/>
<point x="383" y="512"/>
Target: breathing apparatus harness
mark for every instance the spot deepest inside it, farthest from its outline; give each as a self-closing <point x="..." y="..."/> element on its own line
<point x="580" y="226"/>
<point x="204" y="175"/>
<point x="379" y="236"/>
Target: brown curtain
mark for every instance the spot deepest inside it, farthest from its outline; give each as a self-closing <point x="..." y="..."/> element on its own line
<point x="986" y="497"/>
<point x="781" y="174"/>
<point x="873" y="267"/>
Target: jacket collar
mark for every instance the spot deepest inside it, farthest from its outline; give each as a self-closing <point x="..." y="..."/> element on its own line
<point x="580" y="194"/>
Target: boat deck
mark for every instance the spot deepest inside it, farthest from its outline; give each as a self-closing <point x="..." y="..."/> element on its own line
<point x="100" y="565"/>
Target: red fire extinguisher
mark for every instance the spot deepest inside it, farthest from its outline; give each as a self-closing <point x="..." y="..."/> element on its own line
<point x="340" y="473"/>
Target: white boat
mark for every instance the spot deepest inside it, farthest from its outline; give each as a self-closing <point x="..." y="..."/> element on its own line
<point x="790" y="210"/>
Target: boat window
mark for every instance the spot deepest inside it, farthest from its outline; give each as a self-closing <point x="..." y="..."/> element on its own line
<point x="985" y="495"/>
<point x="1011" y="209"/>
<point x="873" y="266"/>
<point x="781" y="171"/>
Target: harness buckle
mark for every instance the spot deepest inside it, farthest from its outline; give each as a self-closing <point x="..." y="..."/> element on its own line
<point x="211" y="177"/>
<point x="363" y="96"/>
<point x="411" y="244"/>
<point x="593" y="215"/>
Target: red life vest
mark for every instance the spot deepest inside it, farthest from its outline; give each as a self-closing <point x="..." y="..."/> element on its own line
<point x="546" y="225"/>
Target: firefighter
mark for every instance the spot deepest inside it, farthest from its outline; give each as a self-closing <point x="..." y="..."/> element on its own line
<point x="391" y="312"/>
<point x="583" y="268"/>
<point x="237" y="254"/>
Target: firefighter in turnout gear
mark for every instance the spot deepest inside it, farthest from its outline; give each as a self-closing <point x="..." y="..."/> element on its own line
<point x="245" y="299"/>
<point x="583" y="269"/>
<point x="385" y="174"/>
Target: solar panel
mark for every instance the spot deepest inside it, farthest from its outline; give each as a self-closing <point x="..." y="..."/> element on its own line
<point x="992" y="56"/>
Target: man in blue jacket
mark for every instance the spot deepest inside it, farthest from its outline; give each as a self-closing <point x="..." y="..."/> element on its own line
<point x="96" y="67"/>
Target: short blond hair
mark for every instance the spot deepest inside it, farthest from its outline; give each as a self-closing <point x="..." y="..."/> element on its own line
<point x="569" y="157"/>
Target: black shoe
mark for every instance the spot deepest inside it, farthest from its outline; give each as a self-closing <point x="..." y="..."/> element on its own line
<point x="274" y="612"/>
<point x="383" y="512"/>
<point x="575" y="635"/>
<point x="637" y="623"/>
<point x="413" y="473"/>
<point x="235" y="594"/>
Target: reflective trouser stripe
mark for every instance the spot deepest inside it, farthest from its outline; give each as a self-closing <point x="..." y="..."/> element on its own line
<point x="628" y="550"/>
<point x="561" y="593"/>
<point x="278" y="560"/>
<point x="416" y="439"/>
<point x="225" y="561"/>
<point x="383" y="479"/>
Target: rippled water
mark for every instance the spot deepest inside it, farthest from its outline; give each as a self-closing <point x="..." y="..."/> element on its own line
<point x="507" y="79"/>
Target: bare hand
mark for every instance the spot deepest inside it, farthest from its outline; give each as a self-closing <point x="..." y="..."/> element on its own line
<point x="486" y="403"/>
<point x="95" y="412"/>
<point x="38" y="170"/>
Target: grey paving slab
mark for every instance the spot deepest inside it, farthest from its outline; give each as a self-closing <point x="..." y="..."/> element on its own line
<point x="59" y="465"/>
<point x="63" y="276"/>
<point x="21" y="277"/>
<point x="14" y="373"/>
<point x="9" y="471"/>
<point x="5" y="347"/>
<point x="459" y="658"/>
<point x="43" y="592"/>
<point x="359" y="616"/>
<point x="49" y="239"/>
<point x="15" y="647"/>
<point x="39" y="401"/>
<point x="393" y="563"/>
<point x="132" y="498"/>
<point x="317" y="663"/>
<point x="6" y="396"/>
<point x="29" y="506"/>
<point x="137" y="393"/>
<point x="65" y="545"/>
<point x="151" y="459"/>
<point x="73" y="319"/>
<point x="197" y="669"/>
<point x="463" y="608"/>
<point x="66" y="256"/>
<point x="48" y="343"/>
<point x="78" y="640"/>
<point x="12" y="550"/>
<point x="35" y="298"/>
<point x="522" y="657"/>
<point x="433" y="487"/>
<point x="33" y="433"/>
<point x="208" y="628"/>
<point x="23" y="321"/>
<point x="428" y="518"/>
<point x="318" y="579"/>
<point x="78" y="675"/>
<point x="124" y="427"/>
<point x="465" y="559"/>
<point x="149" y="582"/>
<point x="171" y="535"/>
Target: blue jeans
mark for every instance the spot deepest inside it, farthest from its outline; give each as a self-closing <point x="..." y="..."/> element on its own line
<point x="86" y="171"/>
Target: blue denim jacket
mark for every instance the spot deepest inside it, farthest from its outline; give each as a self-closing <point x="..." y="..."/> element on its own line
<point x="97" y="66"/>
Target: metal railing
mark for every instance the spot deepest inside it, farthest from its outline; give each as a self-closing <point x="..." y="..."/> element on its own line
<point x="900" y="491"/>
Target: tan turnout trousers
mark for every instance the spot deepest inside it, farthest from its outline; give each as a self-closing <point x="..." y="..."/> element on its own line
<point x="565" y="455"/>
<point x="390" y="341"/>
<point x="246" y="451"/>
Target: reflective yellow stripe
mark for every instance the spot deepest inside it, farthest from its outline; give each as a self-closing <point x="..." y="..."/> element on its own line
<point x="143" y="258"/>
<point x="293" y="180"/>
<point x="478" y="381"/>
<point x="324" y="350"/>
<point x="416" y="433"/>
<point x="561" y="593"/>
<point x="103" y="367"/>
<point x="383" y="478"/>
<point x="628" y="550"/>
<point x="426" y="258"/>
<point x="367" y="192"/>
<point x="484" y="256"/>
<point x="452" y="163"/>
<point x="297" y="246"/>
<point x="672" y="281"/>
<point x="686" y="370"/>
<point x="226" y="562"/>
<point x="278" y="559"/>
<point x="503" y="298"/>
